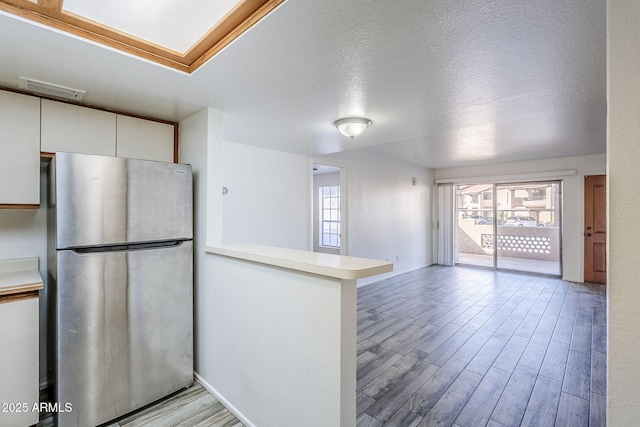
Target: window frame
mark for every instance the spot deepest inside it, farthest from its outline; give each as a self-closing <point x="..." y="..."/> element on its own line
<point x="329" y="204"/>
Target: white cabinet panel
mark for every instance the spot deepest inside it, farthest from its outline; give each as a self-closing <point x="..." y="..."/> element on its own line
<point x="19" y="362"/>
<point x="19" y="149"/>
<point x="76" y="129"/>
<point x="144" y="139"/>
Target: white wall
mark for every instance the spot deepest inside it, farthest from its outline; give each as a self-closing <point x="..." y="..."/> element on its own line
<point x="23" y="233"/>
<point x="268" y="200"/>
<point x="388" y="218"/>
<point x="321" y="180"/>
<point x="286" y="340"/>
<point x="199" y="136"/>
<point x="623" y="148"/>
<point x="253" y="211"/>
<point x="573" y="196"/>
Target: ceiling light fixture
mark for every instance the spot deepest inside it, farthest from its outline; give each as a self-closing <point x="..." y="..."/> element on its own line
<point x="49" y="89"/>
<point x="352" y="126"/>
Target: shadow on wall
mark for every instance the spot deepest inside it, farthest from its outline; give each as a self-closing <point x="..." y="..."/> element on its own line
<point x="467" y="244"/>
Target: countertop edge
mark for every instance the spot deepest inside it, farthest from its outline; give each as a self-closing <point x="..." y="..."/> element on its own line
<point x="19" y="276"/>
<point x="335" y="266"/>
<point x="27" y="287"/>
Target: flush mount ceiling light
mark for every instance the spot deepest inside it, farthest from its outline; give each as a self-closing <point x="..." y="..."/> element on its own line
<point x="352" y="126"/>
<point x="49" y="89"/>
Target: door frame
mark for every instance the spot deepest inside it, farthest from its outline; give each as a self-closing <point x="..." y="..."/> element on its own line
<point x="589" y="275"/>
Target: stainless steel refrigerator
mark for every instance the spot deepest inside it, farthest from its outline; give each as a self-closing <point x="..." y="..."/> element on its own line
<point x="120" y="262"/>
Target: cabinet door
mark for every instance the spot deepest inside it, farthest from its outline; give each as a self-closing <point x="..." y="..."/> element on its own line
<point x="19" y="362"/>
<point x="144" y="139"/>
<point x="76" y="129"/>
<point x="19" y="149"/>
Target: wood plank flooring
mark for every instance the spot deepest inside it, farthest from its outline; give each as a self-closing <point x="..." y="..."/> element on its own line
<point x="193" y="407"/>
<point x="462" y="347"/>
<point x="456" y="346"/>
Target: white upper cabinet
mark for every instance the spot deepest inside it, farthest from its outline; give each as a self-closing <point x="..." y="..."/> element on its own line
<point x="19" y="149"/>
<point x="76" y="129"/>
<point x="144" y="139"/>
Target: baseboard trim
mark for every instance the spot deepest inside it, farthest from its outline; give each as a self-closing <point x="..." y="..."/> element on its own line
<point x="235" y="411"/>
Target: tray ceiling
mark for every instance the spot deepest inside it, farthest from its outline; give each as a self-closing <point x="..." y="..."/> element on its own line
<point x="170" y="32"/>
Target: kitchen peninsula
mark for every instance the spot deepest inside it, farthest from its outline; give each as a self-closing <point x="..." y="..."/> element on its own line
<point x="286" y="345"/>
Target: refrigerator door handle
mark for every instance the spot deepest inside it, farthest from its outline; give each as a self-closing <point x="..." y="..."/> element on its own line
<point x="127" y="247"/>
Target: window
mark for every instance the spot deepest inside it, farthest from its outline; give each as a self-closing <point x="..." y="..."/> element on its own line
<point x="330" y="216"/>
<point x="520" y="230"/>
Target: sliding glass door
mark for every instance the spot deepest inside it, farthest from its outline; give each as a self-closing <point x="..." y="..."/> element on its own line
<point x="529" y="236"/>
<point x="515" y="226"/>
<point x="475" y="213"/>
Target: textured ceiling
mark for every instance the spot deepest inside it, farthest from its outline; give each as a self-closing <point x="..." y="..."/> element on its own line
<point x="446" y="83"/>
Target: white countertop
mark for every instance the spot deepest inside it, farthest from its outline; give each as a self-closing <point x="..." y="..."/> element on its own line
<point x="19" y="275"/>
<point x="336" y="266"/>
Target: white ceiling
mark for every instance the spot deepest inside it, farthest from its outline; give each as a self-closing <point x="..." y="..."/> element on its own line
<point x="446" y="83"/>
<point x="319" y="169"/>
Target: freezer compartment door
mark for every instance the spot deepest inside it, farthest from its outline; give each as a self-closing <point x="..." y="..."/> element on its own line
<point x="124" y="330"/>
<point x="104" y="200"/>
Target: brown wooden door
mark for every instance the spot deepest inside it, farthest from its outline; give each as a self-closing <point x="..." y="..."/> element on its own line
<point x="595" y="229"/>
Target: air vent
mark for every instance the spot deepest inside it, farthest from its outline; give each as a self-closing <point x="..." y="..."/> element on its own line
<point x="49" y="89"/>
